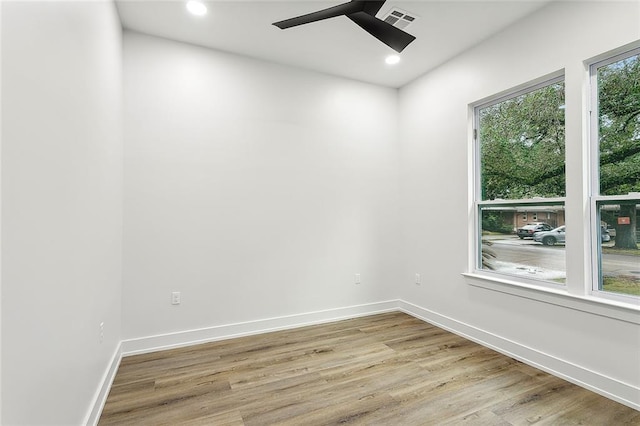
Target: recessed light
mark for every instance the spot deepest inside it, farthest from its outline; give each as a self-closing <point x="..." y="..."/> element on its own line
<point x="196" y="7"/>
<point x="392" y="59"/>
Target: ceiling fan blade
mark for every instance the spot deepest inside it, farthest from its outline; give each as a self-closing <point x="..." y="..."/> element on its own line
<point x="393" y="37"/>
<point x="339" y="10"/>
<point x="372" y="6"/>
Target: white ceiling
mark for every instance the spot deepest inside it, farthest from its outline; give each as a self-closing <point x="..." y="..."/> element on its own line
<point x="335" y="46"/>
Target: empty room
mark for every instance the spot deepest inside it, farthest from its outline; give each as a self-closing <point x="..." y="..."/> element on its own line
<point x="320" y="212"/>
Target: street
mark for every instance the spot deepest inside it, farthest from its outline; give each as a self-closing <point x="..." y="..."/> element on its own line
<point x="529" y="258"/>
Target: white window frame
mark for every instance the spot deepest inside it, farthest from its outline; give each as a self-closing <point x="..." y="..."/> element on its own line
<point x="573" y="296"/>
<point x="595" y="198"/>
<point x="478" y="203"/>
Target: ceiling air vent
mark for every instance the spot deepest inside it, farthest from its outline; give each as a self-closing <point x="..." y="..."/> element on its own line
<point x="399" y="18"/>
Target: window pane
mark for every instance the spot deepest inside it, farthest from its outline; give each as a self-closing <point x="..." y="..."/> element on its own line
<point x="522" y="145"/>
<point x="513" y="246"/>
<point x="619" y="126"/>
<point x="618" y="247"/>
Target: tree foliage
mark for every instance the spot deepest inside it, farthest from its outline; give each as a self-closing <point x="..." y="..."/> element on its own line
<point x="619" y="126"/>
<point x="522" y="145"/>
<point x="494" y="221"/>
<point x="523" y="150"/>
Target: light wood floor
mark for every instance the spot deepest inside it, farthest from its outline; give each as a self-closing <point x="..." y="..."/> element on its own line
<point x="388" y="369"/>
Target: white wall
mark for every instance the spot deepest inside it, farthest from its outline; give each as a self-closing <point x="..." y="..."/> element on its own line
<point x="61" y="206"/>
<point x="256" y="190"/>
<point x="0" y="218"/>
<point x="435" y="172"/>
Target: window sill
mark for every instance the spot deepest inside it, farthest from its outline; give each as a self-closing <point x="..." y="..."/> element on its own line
<point x="622" y="311"/>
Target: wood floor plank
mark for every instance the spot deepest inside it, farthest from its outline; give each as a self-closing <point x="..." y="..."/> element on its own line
<point x="387" y="369"/>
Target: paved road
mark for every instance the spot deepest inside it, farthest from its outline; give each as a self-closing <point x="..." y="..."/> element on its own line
<point x="526" y="257"/>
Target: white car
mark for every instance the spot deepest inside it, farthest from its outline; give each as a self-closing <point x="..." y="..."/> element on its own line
<point x="549" y="238"/>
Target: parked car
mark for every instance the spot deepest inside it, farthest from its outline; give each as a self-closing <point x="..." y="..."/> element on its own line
<point x="611" y="230"/>
<point x="529" y="229"/>
<point x="549" y="238"/>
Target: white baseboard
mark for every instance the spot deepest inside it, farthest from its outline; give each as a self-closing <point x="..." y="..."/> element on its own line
<point x="606" y="386"/>
<point x="229" y="331"/>
<point x="100" y="397"/>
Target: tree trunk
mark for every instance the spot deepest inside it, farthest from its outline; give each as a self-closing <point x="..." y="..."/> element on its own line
<point x="626" y="234"/>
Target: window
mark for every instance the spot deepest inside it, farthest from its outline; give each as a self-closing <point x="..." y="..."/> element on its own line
<point x="519" y="193"/>
<point x="615" y="134"/>
<point x="520" y="174"/>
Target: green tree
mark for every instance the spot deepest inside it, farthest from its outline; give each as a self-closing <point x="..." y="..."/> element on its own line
<point x="619" y="143"/>
<point x="495" y="222"/>
<point x="522" y="145"/>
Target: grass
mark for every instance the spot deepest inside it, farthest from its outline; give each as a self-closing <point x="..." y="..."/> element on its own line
<point x="622" y="284"/>
<point x="613" y="250"/>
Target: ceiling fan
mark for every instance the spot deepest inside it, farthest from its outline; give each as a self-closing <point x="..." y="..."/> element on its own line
<point x="363" y="13"/>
